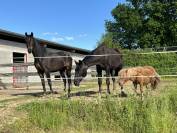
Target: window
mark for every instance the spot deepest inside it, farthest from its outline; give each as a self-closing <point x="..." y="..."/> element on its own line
<point x="18" y="57"/>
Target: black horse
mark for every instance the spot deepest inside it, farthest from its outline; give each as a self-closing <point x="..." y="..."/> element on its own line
<point x="49" y="62"/>
<point x="104" y="58"/>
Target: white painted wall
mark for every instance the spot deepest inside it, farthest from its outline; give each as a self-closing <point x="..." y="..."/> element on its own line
<point x="6" y="56"/>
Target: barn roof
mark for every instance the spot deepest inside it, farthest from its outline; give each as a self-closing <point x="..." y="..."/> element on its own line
<point x="12" y="36"/>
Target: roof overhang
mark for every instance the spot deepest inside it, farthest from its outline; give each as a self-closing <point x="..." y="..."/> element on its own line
<point x="16" y="37"/>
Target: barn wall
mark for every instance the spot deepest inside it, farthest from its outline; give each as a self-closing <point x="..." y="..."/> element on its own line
<point x="6" y="57"/>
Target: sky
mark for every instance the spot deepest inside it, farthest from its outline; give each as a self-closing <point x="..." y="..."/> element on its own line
<point x="77" y="23"/>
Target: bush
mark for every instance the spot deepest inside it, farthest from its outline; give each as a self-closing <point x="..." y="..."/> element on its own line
<point x="165" y="63"/>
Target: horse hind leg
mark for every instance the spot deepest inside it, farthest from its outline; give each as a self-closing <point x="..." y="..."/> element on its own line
<point x="113" y="74"/>
<point x="68" y="73"/>
<point x="141" y="90"/>
<point x="148" y="90"/>
<point x="108" y="81"/>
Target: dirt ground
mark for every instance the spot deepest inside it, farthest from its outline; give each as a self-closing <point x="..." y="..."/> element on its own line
<point x="13" y="97"/>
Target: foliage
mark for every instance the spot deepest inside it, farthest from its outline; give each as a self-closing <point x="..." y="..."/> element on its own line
<point x="107" y="39"/>
<point x="164" y="63"/>
<point x="144" y="23"/>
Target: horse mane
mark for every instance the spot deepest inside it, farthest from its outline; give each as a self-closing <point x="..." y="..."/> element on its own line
<point x="116" y="49"/>
<point x="103" y="45"/>
<point x="98" y="47"/>
<point x="44" y="48"/>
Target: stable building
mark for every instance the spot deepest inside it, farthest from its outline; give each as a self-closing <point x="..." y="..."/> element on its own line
<point x="16" y="65"/>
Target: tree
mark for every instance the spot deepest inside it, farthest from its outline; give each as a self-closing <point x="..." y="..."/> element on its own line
<point x="144" y="24"/>
<point x="107" y="39"/>
<point x="126" y="27"/>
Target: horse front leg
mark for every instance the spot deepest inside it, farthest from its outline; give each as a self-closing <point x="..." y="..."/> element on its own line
<point x="49" y="81"/>
<point x="114" y="73"/>
<point x="122" y="94"/>
<point x="68" y="73"/>
<point x="99" y="72"/>
<point x="41" y="75"/>
<point x="62" y="73"/>
<point x="107" y="80"/>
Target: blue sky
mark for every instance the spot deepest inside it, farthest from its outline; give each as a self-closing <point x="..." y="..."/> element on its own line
<point x="79" y="23"/>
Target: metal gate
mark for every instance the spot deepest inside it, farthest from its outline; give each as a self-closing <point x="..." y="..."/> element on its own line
<point x="20" y="74"/>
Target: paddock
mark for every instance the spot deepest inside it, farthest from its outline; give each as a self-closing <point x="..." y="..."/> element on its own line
<point x="88" y="88"/>
<point x="22" y="101"/>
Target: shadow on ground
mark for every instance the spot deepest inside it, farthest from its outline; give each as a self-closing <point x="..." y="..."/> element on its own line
<point x="83" y="93"/>
<point x="79" y="94"/>
<point x="35" y="94"/>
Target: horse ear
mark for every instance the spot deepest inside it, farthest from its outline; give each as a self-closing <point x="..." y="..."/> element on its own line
<point x="32" y="34"/>
<point x="26" y="34"/>
<point x="80" y="62"/>
<point x="76" y="62"/>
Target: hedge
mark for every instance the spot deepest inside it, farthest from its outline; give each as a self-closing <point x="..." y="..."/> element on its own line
<point x="165" y="63"/>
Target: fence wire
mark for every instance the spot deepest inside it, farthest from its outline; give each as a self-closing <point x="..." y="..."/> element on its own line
<point x="100" y="55"/>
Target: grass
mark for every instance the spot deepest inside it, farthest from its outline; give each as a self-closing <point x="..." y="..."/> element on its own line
<point x="156" y="114"/>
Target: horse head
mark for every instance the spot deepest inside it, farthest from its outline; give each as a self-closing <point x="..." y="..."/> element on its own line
<point x="80" y="72"/>
<point x="29" y="41"/>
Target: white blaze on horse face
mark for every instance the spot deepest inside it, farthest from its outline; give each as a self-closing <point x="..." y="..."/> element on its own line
<point x="29" y="41"/>
<point x="30" y="45"/>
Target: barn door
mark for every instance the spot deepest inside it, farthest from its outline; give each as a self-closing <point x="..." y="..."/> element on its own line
<point x="20" y="70"/>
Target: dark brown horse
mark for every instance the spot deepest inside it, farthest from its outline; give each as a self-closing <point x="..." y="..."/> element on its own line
<point x="46" y="62"/>
<point x="104" y="58"/>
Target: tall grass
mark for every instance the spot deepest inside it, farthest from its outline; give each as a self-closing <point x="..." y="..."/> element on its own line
<point x="131" y="115"/>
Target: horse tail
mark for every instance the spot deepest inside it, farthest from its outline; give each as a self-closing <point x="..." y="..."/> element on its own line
<point x="156" y="81"/>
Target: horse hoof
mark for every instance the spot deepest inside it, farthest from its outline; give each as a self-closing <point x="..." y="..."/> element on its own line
<point x="123" y="94"/>
<point x="45" y="93"/>
<point x="68" y="96"/>
<point x="138" y="94"/>
<point x="54" y="92"/>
